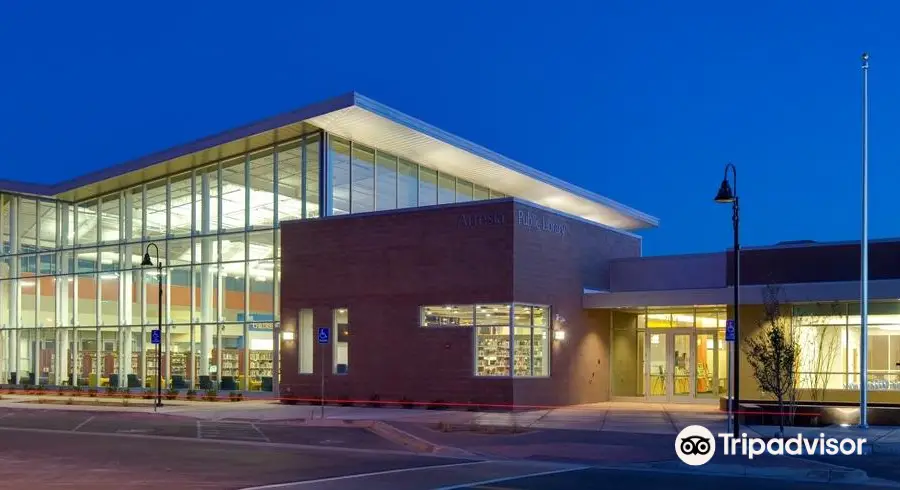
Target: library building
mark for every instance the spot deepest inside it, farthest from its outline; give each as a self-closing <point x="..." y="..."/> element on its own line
<point x="350" y="246"/>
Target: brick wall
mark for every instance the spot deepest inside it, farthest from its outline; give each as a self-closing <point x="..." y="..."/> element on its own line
<point x="383" y="266"/>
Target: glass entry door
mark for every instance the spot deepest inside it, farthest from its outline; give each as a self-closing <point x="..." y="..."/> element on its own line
<point x="670" y="365"/>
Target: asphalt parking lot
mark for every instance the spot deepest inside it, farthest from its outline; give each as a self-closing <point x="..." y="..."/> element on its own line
<point x="149" y="424"/>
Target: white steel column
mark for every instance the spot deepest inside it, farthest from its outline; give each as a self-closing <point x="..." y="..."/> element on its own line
<point x="126" y="286"/>
<point x="206" y="276"/>
<point x="63" y="320"/>
<point x="15" y="290"/>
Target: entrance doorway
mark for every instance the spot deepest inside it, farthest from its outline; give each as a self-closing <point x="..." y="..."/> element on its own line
<point x="682" y="365"/>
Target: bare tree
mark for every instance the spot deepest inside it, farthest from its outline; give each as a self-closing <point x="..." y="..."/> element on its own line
<point x="773" y="355"/>
<point x="822" y="346"/>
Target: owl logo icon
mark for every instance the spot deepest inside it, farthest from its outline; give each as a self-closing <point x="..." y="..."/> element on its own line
<point x="695" y="445"/>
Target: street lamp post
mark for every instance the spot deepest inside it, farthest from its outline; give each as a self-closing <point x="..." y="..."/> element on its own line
<point x="727" y="195"/>
<point x="149" y="263"/>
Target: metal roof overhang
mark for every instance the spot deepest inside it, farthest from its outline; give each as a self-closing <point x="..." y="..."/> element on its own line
<point x="368" y="122"/>
<point x="888" y="289"/>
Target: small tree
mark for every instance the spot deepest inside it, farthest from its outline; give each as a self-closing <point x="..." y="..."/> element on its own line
<point x="818" y="338"/>
<point x="773" y="354"/>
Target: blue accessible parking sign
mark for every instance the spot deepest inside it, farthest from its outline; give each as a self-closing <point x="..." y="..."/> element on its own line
<point x="155" y="337"/>
<point x="323" y="334"/>
<point x="729" y="331"/>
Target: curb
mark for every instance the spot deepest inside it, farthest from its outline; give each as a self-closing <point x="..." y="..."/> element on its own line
<point x="414" y="443"/>
<point x="832" y="475"/>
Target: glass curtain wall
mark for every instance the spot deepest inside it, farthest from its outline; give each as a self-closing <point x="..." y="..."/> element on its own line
<point x="77" y="308"/>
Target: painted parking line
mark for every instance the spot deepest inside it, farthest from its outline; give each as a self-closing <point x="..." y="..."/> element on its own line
<point x="360" y="475"/>
<point x="231" y="431"/>
<point x="480" y="484"/>
<point x="442" y="477"/>
<point x="83" y="423"/>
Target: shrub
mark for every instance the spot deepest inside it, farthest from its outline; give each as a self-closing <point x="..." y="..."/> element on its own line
<point x="407" y="403"/>
<point x="375" y="401"/>
<point x="147" y="394"/>
<point x="70" y="401"/>
<point x="287" y="396"/>
<point x="438" y="405"/>
<point x="235" y="396"/>
<point x="76" y="390"/>
<point x="111" y="390"/>
<point x="60" y="391"/>
<point x="92" y="392"/>
<point x="191" y="394"/>
<point x="211" y="395"/>
<point x="171" y="394"/>
<point x="126" y="393"/>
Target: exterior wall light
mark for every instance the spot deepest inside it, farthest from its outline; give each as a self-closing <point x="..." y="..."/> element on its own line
<point x="287" y="335"/>
<point x="559" y="335"/>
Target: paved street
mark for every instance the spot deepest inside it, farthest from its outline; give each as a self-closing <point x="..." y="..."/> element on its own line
<point x="599" y="478"/>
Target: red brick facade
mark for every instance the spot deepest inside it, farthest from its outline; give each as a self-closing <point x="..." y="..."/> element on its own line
<point x="384" y="266"/>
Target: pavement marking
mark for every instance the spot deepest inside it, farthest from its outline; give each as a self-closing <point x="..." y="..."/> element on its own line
<point x="10" y="414"/>
<point x="261" y="433"/>
<point x="510" y="478"/>
<point x="199" y="431"/>
<point x="251" y="443"/>
<point x="363" y="475"/>
<point x="83" y="423"/>
<point x="231" y="430"/>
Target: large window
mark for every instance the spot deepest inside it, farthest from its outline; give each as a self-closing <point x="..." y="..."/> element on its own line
<point x="313" y="171"/>
<point x="386" y="182"/>
<point x="290" y="186"/>
<point x="305" y="341"/>
<point x="362" y="175"/>
<point x="407" y="184"/>
<point x="339" y="153"/>
<point x="509" y="339"/>
<point x="180" y="191"/>
<point x="340" y="332"/>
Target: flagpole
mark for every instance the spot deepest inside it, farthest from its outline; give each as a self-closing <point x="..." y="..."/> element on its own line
<point x="864" y="248"/>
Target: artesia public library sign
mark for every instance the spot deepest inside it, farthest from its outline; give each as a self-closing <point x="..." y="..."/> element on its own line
<point x="540" y="222"/>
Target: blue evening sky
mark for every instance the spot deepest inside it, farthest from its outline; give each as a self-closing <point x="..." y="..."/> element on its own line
<point x="641" y="101"/>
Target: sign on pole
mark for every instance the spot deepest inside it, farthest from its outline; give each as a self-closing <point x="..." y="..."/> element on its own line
<point x="155" y="337"/>
<point x="323" y="335"/>
<point x="729" y="331"/>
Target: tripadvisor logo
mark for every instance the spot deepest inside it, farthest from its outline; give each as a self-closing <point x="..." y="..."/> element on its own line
<point x="696" y="445"/>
